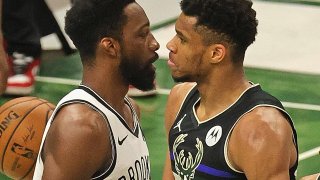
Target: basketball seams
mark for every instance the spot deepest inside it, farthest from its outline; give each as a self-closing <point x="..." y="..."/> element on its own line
<point x="51" y="106"/>
<point x="13" y="132"/>
<point x="35" y="98"/>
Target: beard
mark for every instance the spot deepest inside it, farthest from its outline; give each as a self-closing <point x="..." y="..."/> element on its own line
<point x="141" y="76"/>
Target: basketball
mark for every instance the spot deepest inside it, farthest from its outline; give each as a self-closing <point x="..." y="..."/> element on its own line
<point x="22" y="123"/>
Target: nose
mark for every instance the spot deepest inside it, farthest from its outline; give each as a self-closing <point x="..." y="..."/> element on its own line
<point x="154" y="45"/>
<point x="170" y="46"/>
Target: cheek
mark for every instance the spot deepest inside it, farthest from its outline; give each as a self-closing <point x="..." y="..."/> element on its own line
<point x="140" y="49"/>
<point x="135" y="51"/>
<point x="189" y="58"/>
<point x="135" y="45"/>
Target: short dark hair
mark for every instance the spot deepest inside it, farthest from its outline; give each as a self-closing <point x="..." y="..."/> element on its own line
<point x="90" y="20"/>
<point x="230" y="21"/>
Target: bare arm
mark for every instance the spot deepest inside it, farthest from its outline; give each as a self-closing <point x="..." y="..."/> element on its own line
<point x="261" y="145"/>
<point x="3" y="58"/>
<point x="175" y="99"/>
<point x="311" y="177"/>
<point x="77" y="144"/>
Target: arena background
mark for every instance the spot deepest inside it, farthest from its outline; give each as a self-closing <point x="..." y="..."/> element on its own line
<point x="285" y="60"/>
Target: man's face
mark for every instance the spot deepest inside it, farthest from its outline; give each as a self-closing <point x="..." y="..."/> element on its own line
<point x="138" y="49"/>
<point x="186" y="51"/>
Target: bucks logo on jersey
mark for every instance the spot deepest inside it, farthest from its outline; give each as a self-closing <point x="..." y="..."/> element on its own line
<point x="186" y="166"/>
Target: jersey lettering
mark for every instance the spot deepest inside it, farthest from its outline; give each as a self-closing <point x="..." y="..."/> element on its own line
<point x="139" y="171"/>
<point x="6" y="121"/>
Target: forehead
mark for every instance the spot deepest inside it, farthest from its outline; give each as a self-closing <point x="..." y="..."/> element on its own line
<point x="136" y="17"/>
<point x="186" y="24"/>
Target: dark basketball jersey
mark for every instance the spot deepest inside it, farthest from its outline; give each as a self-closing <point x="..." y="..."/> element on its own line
<point x="198" y="150"/>
<point x="130" y="155"/>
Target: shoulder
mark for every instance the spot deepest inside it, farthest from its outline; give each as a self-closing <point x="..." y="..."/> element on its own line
<point x="260" y="134"/>
<point x="75" y="130"/>
<point x="262" y="120"/>
<point x="78" y="124"/>
<point x="182" y="88"/>
<point x="176" y="97"/>
<point x="179" y="92"/>
<point x="80" y="115"/>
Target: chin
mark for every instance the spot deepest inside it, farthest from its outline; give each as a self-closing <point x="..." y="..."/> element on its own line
<point x="145" y="86"/>
<point x="181" y="79"/>
<point x="145" y="82"/>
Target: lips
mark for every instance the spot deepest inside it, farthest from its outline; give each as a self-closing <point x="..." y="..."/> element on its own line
<point x="170" y="62"/>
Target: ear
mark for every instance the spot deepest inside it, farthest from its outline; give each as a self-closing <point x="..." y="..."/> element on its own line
<point x="217" y="53"/>
<point x="110" y="46"/>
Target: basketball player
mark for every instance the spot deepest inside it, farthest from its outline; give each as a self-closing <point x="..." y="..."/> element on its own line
<point x="94" y="132"/>
<point x="222" y="126"/>
<point x="3" y="59"/>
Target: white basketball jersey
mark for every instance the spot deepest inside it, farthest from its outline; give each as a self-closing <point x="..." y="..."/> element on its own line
<point x="129" y="149"/>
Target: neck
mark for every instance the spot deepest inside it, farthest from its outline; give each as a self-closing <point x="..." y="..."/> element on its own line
<point x="107" y="83"/>
<point x="220" y="92"/>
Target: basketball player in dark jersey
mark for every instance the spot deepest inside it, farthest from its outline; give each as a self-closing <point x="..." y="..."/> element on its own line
<point x="94" y="132"/>
<point x="219" y="124"/>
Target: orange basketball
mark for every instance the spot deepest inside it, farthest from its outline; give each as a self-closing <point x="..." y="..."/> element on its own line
<point x="22" y="123"/>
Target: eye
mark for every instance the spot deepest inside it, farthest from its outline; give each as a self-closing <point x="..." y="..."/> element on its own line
<point x="182" y="40"/>
<point x="144" y="33"/>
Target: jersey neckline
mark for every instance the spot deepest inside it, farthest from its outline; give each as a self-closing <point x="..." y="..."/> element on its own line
<point x="134" y="130"/>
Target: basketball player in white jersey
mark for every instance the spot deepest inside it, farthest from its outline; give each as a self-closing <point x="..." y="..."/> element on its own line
<point x="94" y="132"/>
<point x="223" y="126"/>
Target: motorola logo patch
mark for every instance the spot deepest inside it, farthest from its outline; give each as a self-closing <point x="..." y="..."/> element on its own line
<point x="213" y="135"/>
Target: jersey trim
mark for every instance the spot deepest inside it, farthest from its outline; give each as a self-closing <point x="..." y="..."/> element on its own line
<point x="107" y="170"/>
<point x="215" y="172"/>
<point x="134" y="131"/>
<point x="134" y="114"/>
<point x="209" y="170"/>
<point x="210" y="118"/>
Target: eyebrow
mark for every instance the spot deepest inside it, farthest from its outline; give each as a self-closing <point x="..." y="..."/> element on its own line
<point x="147" y="24"/>
<point x="180" y="33"/>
